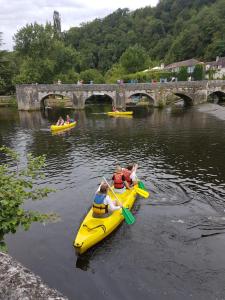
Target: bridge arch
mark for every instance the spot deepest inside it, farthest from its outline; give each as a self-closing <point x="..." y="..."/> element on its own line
<point x="216" y="97"/>
<point x="140" y="99"/>
<point x="188" y="101"/>
<point x="99" y="98"/>
<point x="52" y="99"/>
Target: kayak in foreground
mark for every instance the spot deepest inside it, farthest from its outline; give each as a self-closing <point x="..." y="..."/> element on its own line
<point x="94" y="230"/>
<point x="61" y="127"/>
<point x="117" y="113"/>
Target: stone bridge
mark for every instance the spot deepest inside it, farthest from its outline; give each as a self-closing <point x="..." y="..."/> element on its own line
<point x="32" y="96"/>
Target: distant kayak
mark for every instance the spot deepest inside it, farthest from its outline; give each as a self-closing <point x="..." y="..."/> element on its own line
<point x="61" y="127"/>
<point x="117" y="113"/>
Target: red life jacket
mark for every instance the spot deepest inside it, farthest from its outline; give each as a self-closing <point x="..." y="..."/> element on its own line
<point x="118" y="181"/>
<point x="127" y="174"/>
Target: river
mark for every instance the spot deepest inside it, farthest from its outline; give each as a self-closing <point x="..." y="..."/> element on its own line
<point x="175" y="250"/>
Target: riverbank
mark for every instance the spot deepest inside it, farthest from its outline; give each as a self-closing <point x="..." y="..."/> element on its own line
<point x="8" y="101"/>
<point x="17" y="282"/>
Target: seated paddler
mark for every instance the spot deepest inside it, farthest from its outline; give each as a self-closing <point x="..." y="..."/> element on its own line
<point x="103" y="205"/>
<point x="119" y="181"/>
<point x="130" y="174"/>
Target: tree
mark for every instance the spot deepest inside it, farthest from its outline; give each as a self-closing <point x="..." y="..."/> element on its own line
<point x="92" y="75"/>
<point x="34" y="40"/>
<point x="182" y="74"/>
<point x="70" y="77"/>
<point x="134" y="59"/>
<point x="198" y="73"/>
<point x="17" y="184"/>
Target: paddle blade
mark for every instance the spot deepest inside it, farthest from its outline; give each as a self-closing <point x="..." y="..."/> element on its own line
<point x="141" y="185"/>
<point x="129" y="218"/>
<point x="141" y="192"/>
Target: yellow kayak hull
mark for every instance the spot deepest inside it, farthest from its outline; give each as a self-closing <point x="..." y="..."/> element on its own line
<point x="65" y="126"/>
<point x="118" y="113"/>
<point x="94" y="230"/>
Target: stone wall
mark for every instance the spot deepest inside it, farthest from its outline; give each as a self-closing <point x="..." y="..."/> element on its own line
<point x="18" y="283"/>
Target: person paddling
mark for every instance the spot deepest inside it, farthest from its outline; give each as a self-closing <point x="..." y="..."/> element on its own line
<point x="114" y="109"/>
<point x="130" y="174"/>
<point x="60" y="121"/>
<point x="103" y="205"/>
<point x="119" y="182"/>
<point x="68" y="120"/>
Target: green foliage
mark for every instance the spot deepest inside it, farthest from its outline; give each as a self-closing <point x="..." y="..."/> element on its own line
<point x="34" y="40"/>
<point x="115" y="73"/>
<point x="43" y="56"/>
<point x="198" y="73"/>
<point x="91" y="75"/>
<point x="17" y="184"/>
<point x="146" y="76"/>
<point x="69" y="77"/>
<point x="172" y="31"/>
<point x="7" y="71"/>
<point x="183" y="74"/>
<point x="134" y="59"/>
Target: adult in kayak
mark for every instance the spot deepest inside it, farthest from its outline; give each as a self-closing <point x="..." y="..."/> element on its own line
<point x="114" y="109"/>
<point x="130" y="174"/>
<point x="68" y="120"/>
<point x="119" y="182"/>
<point x="60" y="121"/>
<point x="103" y="205"/>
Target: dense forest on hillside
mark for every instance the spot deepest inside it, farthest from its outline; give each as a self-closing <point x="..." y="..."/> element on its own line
<point x="122" y="43"/>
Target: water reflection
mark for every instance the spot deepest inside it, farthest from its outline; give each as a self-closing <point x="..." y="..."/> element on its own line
<point x="83" y="262"/>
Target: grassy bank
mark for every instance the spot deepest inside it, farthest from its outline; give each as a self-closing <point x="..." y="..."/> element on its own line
<point x="8" y="101"/>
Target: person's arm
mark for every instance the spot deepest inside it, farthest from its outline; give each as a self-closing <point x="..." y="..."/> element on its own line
<point x="133" y="175"/>
<point x="125" y="182"/>
<point x="127" y="185"/>
<point x="111" y="205"/>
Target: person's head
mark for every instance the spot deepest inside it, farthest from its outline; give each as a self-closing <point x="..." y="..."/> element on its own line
<point x="104" y="188"/>
<point x="67" y="116"/>
<point x="129" y="167"/>
<point x="118" y="169"/>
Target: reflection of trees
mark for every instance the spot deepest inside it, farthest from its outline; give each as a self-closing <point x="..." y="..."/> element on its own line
<point x="9" y="119"/>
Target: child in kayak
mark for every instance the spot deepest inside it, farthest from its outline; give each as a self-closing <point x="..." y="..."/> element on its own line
<point x="60" y="121"/>
<point x="130" y="174"/>
<point x="103" y="205"/>
<point x="119" y="181"/>
<point x="68" y="120"/>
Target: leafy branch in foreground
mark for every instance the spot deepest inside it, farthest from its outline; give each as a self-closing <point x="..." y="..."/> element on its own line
<point x="17" y="184"/>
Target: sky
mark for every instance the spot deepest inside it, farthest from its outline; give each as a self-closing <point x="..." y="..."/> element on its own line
<point x="15" y="14"/>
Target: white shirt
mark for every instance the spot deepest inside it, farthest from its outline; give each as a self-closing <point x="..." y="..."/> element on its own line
<point x="108" y="201"/>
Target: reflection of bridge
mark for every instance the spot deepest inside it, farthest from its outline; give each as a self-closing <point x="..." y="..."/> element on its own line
<point x="32" y="96"/>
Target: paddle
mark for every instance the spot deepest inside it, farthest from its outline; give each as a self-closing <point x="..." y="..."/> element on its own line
<point x="140" y="189"/>
<point x="141" y="192"/>
<point x="141" y="185"/>
<point x="129" y="218"/>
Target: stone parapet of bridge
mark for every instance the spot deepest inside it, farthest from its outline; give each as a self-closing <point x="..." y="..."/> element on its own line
<point x="31" y="96"/>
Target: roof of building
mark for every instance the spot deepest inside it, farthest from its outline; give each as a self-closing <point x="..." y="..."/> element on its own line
<point x="219" y="62"/>
<point x="184" y="63"/>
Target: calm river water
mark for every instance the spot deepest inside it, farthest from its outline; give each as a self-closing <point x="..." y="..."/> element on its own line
<point x="175" y="249"/>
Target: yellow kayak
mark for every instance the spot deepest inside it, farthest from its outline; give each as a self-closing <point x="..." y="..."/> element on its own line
<point x="117" y="113"/>
<point x="93" y="230"/>
<point x="61" y="127"/>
